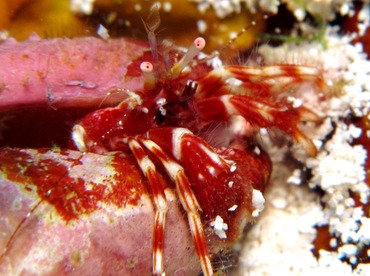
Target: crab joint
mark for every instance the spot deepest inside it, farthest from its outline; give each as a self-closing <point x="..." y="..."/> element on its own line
<point x="78" y="137"/>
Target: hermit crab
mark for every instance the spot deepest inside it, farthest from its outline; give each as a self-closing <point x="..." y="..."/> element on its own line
<point x="185" y="134"/>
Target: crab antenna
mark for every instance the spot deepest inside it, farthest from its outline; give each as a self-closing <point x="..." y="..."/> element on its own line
<point x="241" y="32"/>
<point x="194" y="49"/>
<point x="151" y="24"/>
<point x="149" y="78"/>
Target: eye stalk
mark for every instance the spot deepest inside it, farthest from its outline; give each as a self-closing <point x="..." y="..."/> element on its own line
<point x="198" y="45"/>
<point x="149" y="77"/>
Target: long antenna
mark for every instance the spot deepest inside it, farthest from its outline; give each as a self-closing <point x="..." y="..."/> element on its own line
<point x="151" y="24"/>
<point x="241" y="32"/>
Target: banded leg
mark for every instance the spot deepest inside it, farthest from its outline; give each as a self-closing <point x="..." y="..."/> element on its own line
<point x="191" y="151"/>
<point x="157" y="187"/>
<point x="260" y="113"/>
<point x="267" y="81"/>
<point x="188" y="200"/>
<point x="277" y="78"/>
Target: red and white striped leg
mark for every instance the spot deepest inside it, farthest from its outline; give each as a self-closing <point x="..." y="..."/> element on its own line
<point x="268" y="81"/>
<point x="260" y="113"/>
<point x="157" y="187"/>
<point x="277" y="78"/>
<point x="191" y="151"/>
<point x="187" y="198"/>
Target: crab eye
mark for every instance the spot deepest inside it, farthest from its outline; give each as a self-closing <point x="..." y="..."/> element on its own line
<point x="200" y="43"/>
<point x="194" y="49"/>
<point x="146" y="67"/>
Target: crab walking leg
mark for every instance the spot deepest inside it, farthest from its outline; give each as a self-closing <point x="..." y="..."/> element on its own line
<point x="260" y="113"/>
<point x="278" y="77"/>
<point x="187" y="149"/>
<point x="188" y="201"/>
<point x="157" y="187"/>
<point x="272" y="79"/>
